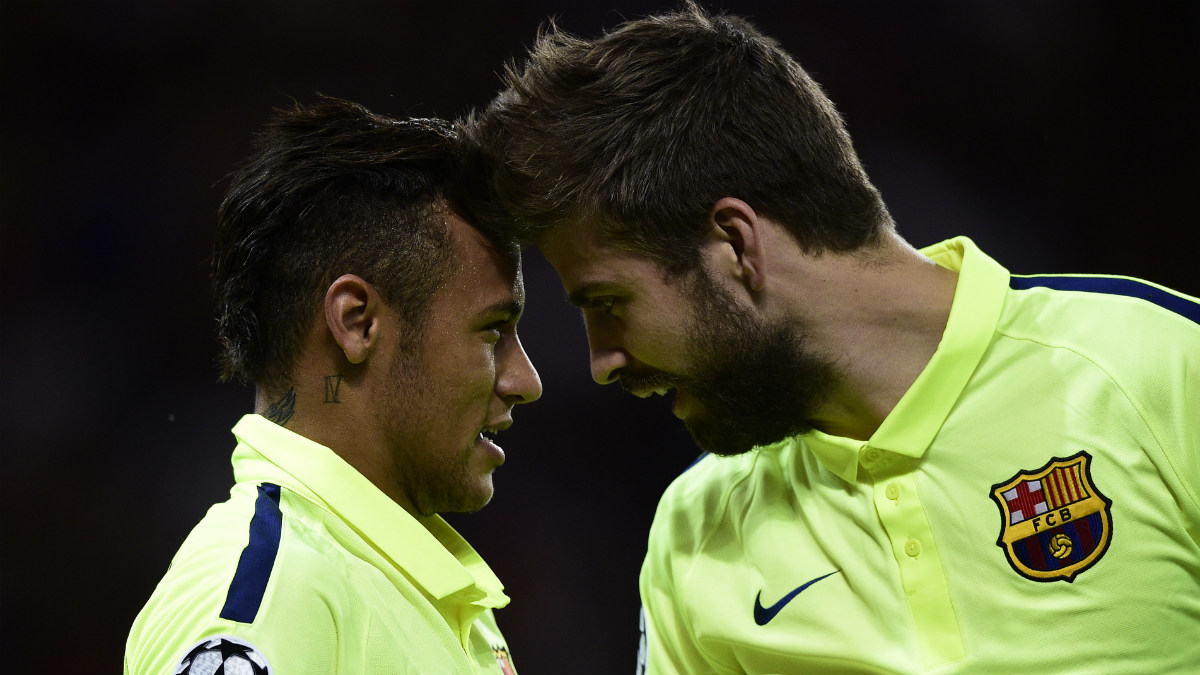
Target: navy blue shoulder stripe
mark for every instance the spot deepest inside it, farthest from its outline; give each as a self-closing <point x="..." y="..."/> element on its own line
<point x="695" y="462"/>
<point x="1113" y="286"/>
<point x="254" y="567"/>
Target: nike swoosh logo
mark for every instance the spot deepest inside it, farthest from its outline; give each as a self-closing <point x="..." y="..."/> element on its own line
<point x="763" y="615"/>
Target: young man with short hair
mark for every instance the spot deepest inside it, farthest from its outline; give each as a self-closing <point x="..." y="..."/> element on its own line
<point x="378" y="324"/>
<point x="919" y="462"/>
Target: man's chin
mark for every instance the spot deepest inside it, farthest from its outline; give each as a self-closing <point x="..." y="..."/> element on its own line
<point x="478" y="499"/>
<point x="718" y="439"/>
<point x="728" y="439"/>
<point x="466" y="501"/>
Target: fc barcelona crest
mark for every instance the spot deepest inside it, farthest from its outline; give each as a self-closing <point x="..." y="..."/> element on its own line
<point x="501" y="654"/>
<point x="1056" y="524"/>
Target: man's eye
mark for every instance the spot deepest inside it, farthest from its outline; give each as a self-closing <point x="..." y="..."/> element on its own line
<point x="495" y="330"/>
<point x="601" y="304"/>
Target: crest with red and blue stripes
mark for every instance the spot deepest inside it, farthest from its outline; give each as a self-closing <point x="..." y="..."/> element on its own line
<point x="1055" y="523"/>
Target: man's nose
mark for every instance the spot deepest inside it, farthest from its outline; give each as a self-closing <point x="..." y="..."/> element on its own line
<point x="517" y="380"/>
<point x="608" y="354"/>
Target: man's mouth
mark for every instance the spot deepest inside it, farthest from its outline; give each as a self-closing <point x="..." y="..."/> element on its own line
<point x="487" y="436"/>
<point x="648" y="385"/>
<point x="487" y="441"/>
<point x="647" y="393"/>
<point x="492" y="428"/>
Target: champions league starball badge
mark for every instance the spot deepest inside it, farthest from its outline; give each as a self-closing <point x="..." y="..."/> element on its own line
<point x="223" y="655"/>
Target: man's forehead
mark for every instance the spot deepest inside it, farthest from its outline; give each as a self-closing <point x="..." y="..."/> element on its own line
<point x="570" y="240"/>
<point x="485" y="267"/>
<point x="583" y="258"/>
<point x="518" y="285"/>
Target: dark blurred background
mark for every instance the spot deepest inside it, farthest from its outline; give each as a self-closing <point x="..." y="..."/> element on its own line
<point x="1061" y="136"/>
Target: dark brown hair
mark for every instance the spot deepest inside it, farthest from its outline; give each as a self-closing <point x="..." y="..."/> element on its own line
<point x="330" y="189"/>
<point x="640" y="131"/>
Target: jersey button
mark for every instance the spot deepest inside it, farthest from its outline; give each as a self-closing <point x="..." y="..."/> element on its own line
<point x="872" y="456"/>
<point x="893" y="492"/>
<point x="912" y="548"/>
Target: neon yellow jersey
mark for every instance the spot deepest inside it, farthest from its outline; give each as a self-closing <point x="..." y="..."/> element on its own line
<point x="309" y="568"/>
<point x="1032" y="505"/>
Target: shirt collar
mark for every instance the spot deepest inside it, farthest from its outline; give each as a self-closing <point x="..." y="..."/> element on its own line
<point x="918" y="416"/>
<point x="429" y="550"/>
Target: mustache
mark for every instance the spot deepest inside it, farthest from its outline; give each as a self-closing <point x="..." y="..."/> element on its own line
<point x="631" y="382"/>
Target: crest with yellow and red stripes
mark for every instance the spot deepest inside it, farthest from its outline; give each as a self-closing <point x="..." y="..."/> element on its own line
<point x="1055" y="523"/>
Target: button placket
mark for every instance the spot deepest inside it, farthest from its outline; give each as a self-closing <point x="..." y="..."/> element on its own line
<point x="912" y="548"/>
<point x="900" y="511"/>
<point x="906" y="526"/>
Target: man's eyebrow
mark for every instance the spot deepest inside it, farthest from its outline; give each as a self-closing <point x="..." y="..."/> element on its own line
<point x="511" y="307"/>
<point x="582" y="294"/>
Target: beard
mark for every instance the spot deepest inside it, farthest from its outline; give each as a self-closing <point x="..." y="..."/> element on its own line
<point x="753" y="378"/>
<point x="434" y="477"/>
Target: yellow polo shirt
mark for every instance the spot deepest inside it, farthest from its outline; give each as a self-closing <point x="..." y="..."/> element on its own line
<point x="1032" y="505"/>
<point x="309" y="568"/>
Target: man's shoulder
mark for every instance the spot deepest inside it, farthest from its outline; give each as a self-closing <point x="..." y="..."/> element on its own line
<point x="708" y="478"/>
<point x="1119" y="344"/>
<point x="257" y="566"/>
<point x="210" y="550"/>
<point x="257" y="515"/>
<point x="1141" y="334"/>
<point x="1081" y="304"/>
<point x="715" y="489"/>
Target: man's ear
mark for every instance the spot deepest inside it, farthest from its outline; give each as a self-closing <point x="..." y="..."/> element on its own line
<point x="737" y="227"/>
<point x="352" y="312"/>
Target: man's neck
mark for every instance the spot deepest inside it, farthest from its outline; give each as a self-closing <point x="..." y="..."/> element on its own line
<point x="324" y="409"/>
<point x="879" y="321"/>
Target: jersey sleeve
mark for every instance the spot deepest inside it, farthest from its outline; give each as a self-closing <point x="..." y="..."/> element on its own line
<point x="1146" y="340"/>
<point x="1165" y="386"/>
<point x="1149" y="344"/>
<point x="296" y="628"/>
<point x="304" y="627"/>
